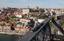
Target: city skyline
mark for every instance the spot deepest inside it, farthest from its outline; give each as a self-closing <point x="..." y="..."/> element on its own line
<point x="32" y="3"/>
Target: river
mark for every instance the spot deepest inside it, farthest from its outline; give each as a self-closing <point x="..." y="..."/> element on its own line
<point x="10" y="37"/>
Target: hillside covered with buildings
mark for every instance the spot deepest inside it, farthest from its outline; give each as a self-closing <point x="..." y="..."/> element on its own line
<point x="23" y="19"/>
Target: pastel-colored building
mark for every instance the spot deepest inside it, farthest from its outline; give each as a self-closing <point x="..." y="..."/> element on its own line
<point x="21" y="29"/>
<point x="24" y="20"/>
<point x="0" y="28"/>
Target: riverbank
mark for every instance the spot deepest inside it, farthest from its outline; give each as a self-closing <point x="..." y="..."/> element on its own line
<point x="12" y="33"/>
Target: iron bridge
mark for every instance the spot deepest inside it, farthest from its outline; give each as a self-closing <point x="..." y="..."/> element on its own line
<point x="43" y="32"/>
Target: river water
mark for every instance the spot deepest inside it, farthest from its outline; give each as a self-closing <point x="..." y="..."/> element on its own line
<point x="10" y="37"/>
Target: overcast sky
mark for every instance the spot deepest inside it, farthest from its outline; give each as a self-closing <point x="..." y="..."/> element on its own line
<point x="32" y="3"/>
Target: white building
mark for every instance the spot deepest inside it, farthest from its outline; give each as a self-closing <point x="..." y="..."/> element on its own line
<point x="41" y="20"/>
<point x="25" y="11"/>
<point x="18" y="14"/>
<point x="58" y="13"/>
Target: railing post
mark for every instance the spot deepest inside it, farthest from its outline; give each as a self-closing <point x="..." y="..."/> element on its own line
<point x="46" y="32"/>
